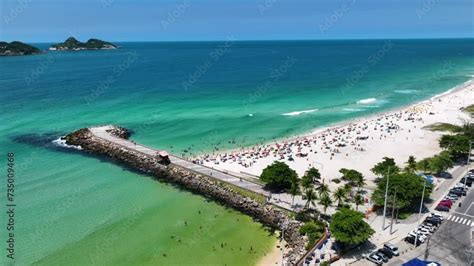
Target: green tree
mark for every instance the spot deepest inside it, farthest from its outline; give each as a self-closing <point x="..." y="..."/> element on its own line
<point x="323" y="189"/>
<point x="310" y="196"/>
<point x="294" y="190"/>
<point x="308" y="180"/>
<point x="314" y="230"/>
<point x="424" y="165"/>
<point x="313" y="173"/>
<point x="456" y="145"/>
<point x="325" y="200"/>
<point x="347" y="189"/>
<point x="349" y="228"/>
<point x="339" y="195"/>
<point x="441" y="162"/>
<point x="408" y="188"/>
<point x="411" y="164"/>
<point x="278" y="176"/>
<point x="358" y="200"/>
<point x="382" y="168"/>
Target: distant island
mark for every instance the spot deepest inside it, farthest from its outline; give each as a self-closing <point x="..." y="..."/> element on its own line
<point x="71" y="44"/>
<point x="17" y="48"/>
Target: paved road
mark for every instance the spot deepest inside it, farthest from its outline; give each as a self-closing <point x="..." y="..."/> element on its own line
<point x="451" y="244"/>
<point x="281" y="200"/>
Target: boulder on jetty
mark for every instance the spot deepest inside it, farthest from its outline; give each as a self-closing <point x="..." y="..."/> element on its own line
<point x="204" y="185"/>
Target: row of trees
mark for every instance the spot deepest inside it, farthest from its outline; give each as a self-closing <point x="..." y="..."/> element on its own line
<point x="279" y="176"/>
<point x="405" y="187"/>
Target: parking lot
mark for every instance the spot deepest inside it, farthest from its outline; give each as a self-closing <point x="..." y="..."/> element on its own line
<point x="451" y="243"/>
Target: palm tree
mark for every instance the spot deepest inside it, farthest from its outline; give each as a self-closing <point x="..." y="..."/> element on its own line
<point x="310" y="198"/>
<point x="358" y="200"/>
<point x="326" y="201"/>
<point x="360" y="182"/>
<point x="339" y="195"/>
<point x="323" y="189"/>
<point x="411" y="164"/>
<point x="294" y="190"/>
<point x="347" y="189"/>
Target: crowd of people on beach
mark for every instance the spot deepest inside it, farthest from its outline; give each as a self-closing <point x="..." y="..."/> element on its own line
<point x="333" y="141"/>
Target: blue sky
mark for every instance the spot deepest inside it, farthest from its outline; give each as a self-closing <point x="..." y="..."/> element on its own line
<point x="167" y="20"/>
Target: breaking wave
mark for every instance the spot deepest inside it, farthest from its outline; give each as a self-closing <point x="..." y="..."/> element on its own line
<point x="300" y="112"/>
<point x="62" y="143"/>
<point x="366" y="101"/>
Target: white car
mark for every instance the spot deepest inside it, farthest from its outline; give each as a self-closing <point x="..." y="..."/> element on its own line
<point x="375" y="259"/>
<point x="431" y="229"/>
<point x="424" y="231"/>
<point x="420" y="237"/>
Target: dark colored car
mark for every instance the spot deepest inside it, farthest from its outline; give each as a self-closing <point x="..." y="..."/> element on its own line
<point x="456" y="192"/>
<point x="411" y="240"/>
<point x="386" y="252"/>
<point x="442" y="208"/>
<point x="433" y="221"/>
<point x="468" y="182"/>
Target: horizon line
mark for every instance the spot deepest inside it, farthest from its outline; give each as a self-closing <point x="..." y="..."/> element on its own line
<point x="270" y="40"/>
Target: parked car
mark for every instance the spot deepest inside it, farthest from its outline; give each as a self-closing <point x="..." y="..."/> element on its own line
<point x="451" y="197"/>
<point x="375" y="259"/>
<point x="456" y="192"/>
<point x="447" y="204"/>
<point x="381" y="255"/>
<point x="423" y="230"/>
<point x="392" y="248"/>
<point x="442" y="208"/>
<point x="450" y="202"/>
<point x="430" y="228"/>
<point x="433" y="221"/>
<point x="386" y="252"/>
<point x="468" y="182"/>
<point x="420" y="236"/>
<point x="411" y="240"/>
<point x="461" y="190"/>
<point x="436" y="216"/>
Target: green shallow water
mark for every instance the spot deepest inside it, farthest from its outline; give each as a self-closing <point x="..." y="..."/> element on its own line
<point x="93" y="212"/>
<point x="81" y="210"/>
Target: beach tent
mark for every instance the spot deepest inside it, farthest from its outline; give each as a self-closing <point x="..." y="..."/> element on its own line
<point x="429" y="178"/>
<point x="418" y="262"/>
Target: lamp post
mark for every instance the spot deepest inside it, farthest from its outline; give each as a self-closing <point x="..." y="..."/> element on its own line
<point x="468" y="161"/>
<point x="419" y="214"/>
<point x="393" y="208"/>
<point x="385" y="202"/>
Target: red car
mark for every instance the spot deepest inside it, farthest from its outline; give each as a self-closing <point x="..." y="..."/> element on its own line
<point x="450" y="203"/>
<point x="447" y="204"/>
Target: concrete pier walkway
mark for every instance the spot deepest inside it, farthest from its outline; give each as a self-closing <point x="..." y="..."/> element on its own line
<point x="101" y="132"/>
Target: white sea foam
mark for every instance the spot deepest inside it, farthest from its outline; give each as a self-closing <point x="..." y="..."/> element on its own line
<point x="62" y="143"/>
<point x="352" y="110"/>
<point x="367" y="101"/>
<point x="250" y="114"/>
<point x="301" y="112"/>
<point x="443" y="94"/>
<point x="406" y="91"/>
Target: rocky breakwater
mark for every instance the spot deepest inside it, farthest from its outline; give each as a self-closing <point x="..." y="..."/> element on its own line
<point x="202" y="184"/>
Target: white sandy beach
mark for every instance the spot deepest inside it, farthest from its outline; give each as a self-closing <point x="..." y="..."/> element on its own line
<point x="356" y="144"/>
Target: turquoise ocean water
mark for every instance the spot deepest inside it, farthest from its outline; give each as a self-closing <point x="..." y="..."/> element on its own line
<point x="186" y="97"/>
